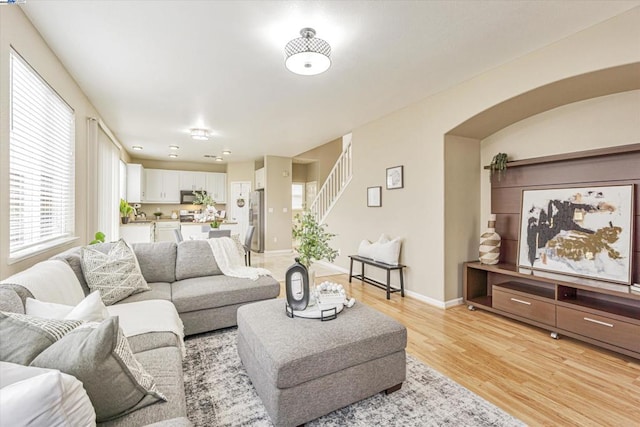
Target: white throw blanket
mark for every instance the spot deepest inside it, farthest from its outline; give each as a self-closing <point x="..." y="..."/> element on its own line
<point x="141" y="317"/>
<point x="50" y="281"/>
<point x="230" y="260"/>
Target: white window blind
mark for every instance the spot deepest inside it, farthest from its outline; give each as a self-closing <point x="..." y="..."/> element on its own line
<point x="41" y="163"/>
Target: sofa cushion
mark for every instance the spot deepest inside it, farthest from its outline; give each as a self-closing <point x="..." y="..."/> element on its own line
<point x="24" y="337"/>
<point x="159" y="290"/>
<point x="116" y="274"/>
<point x="153" y="340"/>
<point x="38" y="397"/>
<point x="157" y="260"/>
<point x="195" y="259"/>
<point x="165" y="365"/>
<point x="73" y="257"/>
<point x="218" y="291"/>
<point x="99" y="355"/>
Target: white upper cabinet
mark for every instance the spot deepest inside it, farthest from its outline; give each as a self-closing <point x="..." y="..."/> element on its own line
<point x="216" y="186"/>
<point x="135" y="183"/>
<point x="193" y="181"/>
<point x="163" y="186"/>
<point x="260" y="179"/>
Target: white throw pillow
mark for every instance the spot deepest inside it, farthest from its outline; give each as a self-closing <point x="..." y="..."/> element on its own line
<point x="51" y="281"/>
<point x="90" y="309"/>
<point x="116" y="274"/>
<point x="35" y="397"/>
<point x="384" y="250"/>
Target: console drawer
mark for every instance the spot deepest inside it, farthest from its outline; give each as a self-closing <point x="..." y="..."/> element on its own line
<point x="601" y="328"/>
<point x="524" y="306"/>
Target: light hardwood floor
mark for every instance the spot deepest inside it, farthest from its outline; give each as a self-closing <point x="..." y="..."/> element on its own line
<point x="515" y="366"/>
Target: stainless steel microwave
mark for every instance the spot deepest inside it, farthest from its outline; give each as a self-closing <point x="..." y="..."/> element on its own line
<point x="188" y="198"/>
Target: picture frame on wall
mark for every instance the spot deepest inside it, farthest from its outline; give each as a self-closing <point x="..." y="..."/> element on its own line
<point x="395" y="177"/>
<point x="579" y="231"/>
<point x="374" y="197"/>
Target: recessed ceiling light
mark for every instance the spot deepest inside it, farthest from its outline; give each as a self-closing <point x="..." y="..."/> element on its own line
<point x="226" y="152"/>
<point x="173" y="155"/>
<point x="200" y="134"/>
<point x="173" y="147"/>
<point x="137" y="147"/>
<point x="218" y="159"/>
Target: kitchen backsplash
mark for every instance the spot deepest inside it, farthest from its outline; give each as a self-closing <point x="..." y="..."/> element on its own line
<point x="150" y="208"/>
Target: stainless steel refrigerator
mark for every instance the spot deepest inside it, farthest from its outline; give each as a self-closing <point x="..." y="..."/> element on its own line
<point x="256" y="218"/>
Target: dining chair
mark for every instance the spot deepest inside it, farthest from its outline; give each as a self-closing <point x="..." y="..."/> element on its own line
<point x="247" y="245"/>
<point x="178" y="235"/>
<point x="219" y="233"/>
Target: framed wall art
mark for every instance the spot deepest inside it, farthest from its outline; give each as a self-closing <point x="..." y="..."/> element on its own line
<point x="374" y="197"/>
<point x="395" y="177"/>
<point x="585" y="231"/>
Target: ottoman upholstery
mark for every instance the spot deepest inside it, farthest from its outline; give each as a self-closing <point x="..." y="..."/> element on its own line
<point x="305" y="368"/>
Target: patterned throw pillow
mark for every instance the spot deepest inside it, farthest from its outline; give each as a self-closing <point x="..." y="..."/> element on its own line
<point x="24" y="337"/>
<point x="116" y="274"/>
<point x="98" y="354"/>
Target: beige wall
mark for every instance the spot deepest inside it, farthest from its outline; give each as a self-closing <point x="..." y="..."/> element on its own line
<point x="241" y="171"/>
<point x="325" y="157"/>
<point x="415" y="138"/>
<point x="16" y="30"/>
<point x="277" y="203"/>
<point x="299" y="172"/>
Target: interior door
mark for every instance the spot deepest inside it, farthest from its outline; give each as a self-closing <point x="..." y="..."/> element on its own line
<point x="238" y="205"/>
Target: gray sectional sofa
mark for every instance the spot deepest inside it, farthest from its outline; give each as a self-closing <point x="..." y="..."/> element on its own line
<point x="187" y="275"/>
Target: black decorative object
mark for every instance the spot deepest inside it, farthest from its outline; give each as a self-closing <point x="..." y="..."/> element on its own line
<point x="297" y="286"/>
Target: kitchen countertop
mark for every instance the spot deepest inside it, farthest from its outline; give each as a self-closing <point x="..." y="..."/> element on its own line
<point x="153" y="221"/>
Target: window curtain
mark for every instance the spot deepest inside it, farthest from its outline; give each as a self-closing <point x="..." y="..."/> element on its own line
<point x="108" y="192"/>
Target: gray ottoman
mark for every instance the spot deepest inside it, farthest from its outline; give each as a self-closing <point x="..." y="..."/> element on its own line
<point x="304" y="368"/>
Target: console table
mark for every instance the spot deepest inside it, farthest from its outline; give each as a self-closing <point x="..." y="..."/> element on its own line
<point x="601" y="313"/>
<point x="371" y="281"/>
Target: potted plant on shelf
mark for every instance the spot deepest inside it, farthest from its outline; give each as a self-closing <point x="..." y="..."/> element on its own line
<point x="498" y="165"/>
<point x="125" y="211"/>
<point x="312" y="241"/>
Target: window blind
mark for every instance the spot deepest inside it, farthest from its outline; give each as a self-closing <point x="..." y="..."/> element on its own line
<point x="41" y="163"/>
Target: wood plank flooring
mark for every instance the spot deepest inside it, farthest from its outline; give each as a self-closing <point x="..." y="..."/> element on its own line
<point x="517" y="367"/>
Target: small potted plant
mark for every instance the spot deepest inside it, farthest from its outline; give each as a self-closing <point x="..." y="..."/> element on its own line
<point x="125" y="211"/>
<point x="498" y="165"/>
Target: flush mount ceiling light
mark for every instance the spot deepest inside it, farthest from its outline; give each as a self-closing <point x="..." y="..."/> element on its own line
<point x="307" y="55"/>
<point x="137" y="147"/>
<point x="218" y="159"/>
<point x="226" y="152"/>
<point x="200" y="134"/>
<point x="174" y="147"/>
<point x="173" y="155"/>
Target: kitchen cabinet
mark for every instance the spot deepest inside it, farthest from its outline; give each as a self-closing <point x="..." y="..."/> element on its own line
<point x="260" y="179"/>
<point x="162" y="186"/>
<point x="137" y="233"/>
<point x="216" y="186"/>
<point x="194" y="181"/>
<point x="135" y="183"/>
<point x="165" y="231"/>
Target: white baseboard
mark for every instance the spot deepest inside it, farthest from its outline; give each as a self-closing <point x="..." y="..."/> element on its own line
<point x="412" y="294"/>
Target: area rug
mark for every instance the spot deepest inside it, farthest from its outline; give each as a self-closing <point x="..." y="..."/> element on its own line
<point x="219" y="393"/>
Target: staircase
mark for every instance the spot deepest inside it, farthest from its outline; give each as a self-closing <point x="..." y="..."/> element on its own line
<point x="338" y="179"/>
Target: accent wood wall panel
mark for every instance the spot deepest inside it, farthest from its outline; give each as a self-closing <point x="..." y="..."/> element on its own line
<point x="608" y="169"/>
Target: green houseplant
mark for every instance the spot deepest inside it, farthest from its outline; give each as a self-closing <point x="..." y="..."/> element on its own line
<point x="498" y="165"/>
<point x="313" y="239"/>
<point x="98" y="238"/>
<point x="125" y="211"/>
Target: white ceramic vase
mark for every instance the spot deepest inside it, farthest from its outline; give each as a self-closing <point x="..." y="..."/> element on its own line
<point x="490" y="243"/>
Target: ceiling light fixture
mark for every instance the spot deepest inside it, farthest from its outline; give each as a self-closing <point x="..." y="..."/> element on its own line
<point x="173" y="155"/>
<point x="174" y="147"/>
<point x="226" y="152"/>
<point x="200" y="134"/>
<point x="307" y="55"/>
<point x="137" y="147"/>
<point x="218" y="159"/>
